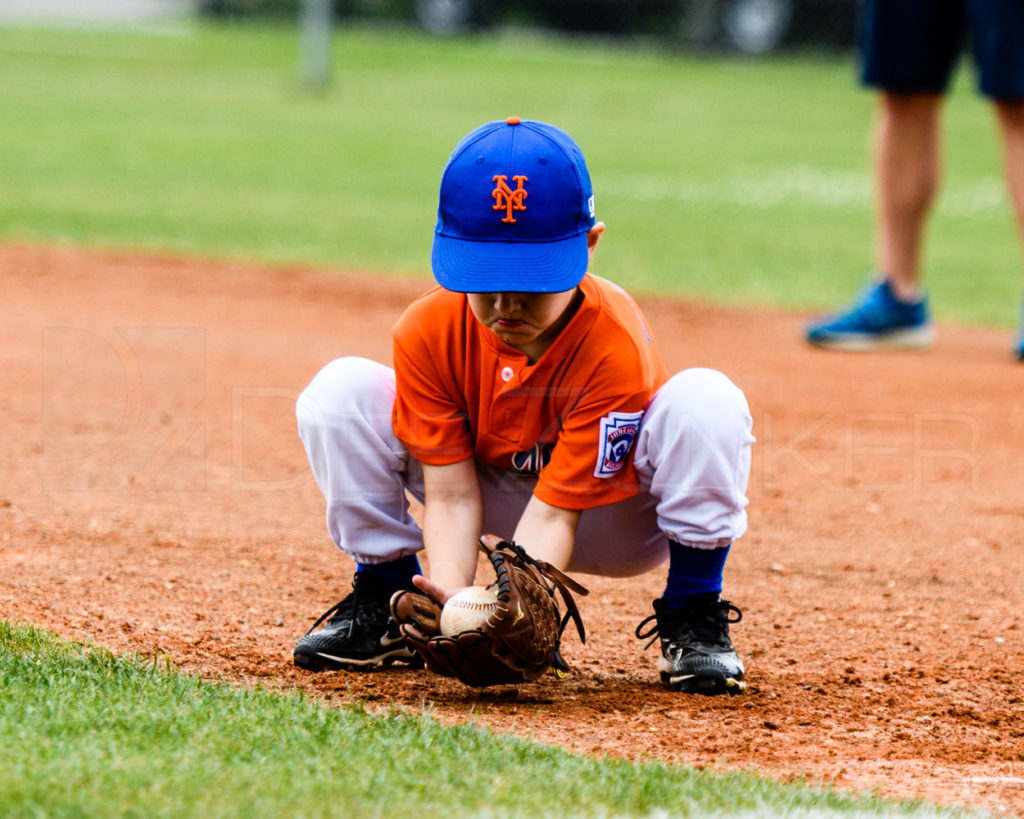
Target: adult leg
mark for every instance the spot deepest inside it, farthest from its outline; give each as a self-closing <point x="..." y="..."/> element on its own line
<point x="908" y="50"/>
<point x="892" y="313"/>
<point x="1011" y="125"/>
<point x="907" y="171"/>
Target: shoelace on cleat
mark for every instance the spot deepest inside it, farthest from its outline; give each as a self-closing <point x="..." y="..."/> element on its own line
<point x="704" y="627"/>
<point x="344" y="609"/>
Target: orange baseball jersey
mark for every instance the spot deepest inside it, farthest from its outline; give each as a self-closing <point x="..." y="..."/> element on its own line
<point x="571" y="418"/>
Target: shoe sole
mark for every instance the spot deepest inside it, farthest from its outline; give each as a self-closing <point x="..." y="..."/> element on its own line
<point x="919" y="338"/>
<point x="708" y="684"/>
<point x="326" y="662"/>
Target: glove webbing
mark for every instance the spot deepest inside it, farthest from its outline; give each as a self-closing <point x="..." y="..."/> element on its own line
<point x="552" y="578"/>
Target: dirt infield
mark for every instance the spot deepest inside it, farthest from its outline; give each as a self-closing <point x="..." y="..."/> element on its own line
<point x="154" y="497"/>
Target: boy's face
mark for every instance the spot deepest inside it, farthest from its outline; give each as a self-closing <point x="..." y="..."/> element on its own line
<point x="523" y="320"/>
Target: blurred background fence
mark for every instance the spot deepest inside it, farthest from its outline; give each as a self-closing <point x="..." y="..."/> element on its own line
<point x="746" y="26"/>
<point x="741" y="26"/>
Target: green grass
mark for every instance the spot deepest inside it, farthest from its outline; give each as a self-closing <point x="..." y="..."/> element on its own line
<point x="728" y="180"/>
<point x="87" y="733"/>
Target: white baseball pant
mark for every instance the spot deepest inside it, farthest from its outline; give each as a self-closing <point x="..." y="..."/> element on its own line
<point x="692" y="455"/>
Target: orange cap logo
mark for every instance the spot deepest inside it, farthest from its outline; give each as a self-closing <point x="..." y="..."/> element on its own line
<point x="507" y="199"/>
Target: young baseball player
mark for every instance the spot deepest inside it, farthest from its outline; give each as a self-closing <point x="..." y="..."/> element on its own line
<point x="527" y="399"/>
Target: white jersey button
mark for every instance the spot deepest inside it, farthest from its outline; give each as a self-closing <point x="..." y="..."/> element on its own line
<point x="507" y="373"/>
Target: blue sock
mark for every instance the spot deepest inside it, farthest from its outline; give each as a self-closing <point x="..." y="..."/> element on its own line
<point x="693" y="572"/>
<point x="395" y="574"/>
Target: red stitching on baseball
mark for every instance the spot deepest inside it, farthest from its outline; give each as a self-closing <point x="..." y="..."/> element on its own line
<point x="472" y="604"/>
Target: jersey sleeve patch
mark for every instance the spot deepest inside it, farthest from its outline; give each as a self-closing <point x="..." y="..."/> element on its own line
<point x="616" y="438"/>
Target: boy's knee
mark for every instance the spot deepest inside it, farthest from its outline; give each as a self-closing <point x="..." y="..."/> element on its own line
<point x="345" y="388"/>
<point x="705" y="395"/>
<point x="696" y="409"/>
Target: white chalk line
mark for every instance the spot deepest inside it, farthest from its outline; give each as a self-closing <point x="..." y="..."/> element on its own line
<point x="796" y="186"/>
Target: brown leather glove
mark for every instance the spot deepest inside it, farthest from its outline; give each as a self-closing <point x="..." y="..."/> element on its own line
<point x="518" y="643"/>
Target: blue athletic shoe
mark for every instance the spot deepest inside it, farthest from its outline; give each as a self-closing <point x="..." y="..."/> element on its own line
<point x="876" y="320"/>
<point x="1019" y="344"/>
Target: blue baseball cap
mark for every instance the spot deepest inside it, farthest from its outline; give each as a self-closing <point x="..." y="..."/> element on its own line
<point x="514" y="210"/>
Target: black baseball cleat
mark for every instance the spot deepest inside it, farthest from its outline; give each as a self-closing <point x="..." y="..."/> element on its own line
<point x="359" y="634"/>
<point x="697" y="656"/>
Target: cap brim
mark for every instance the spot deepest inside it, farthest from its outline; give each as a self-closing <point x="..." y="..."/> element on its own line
<point x="509" y="267"/>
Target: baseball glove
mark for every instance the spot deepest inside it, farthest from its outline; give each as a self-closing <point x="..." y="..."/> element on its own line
<point x="518" y="643"/>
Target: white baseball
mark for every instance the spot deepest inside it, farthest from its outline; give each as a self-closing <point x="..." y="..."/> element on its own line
<point x="467" y="610"/>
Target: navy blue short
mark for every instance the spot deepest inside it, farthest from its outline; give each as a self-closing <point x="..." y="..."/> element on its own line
<point x="912" y="46"/>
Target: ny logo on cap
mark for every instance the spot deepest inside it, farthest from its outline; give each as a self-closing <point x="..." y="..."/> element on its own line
<point x="507" y="199"/>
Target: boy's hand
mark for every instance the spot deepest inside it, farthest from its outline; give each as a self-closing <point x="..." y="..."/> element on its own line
<point x="432" y="590"/>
